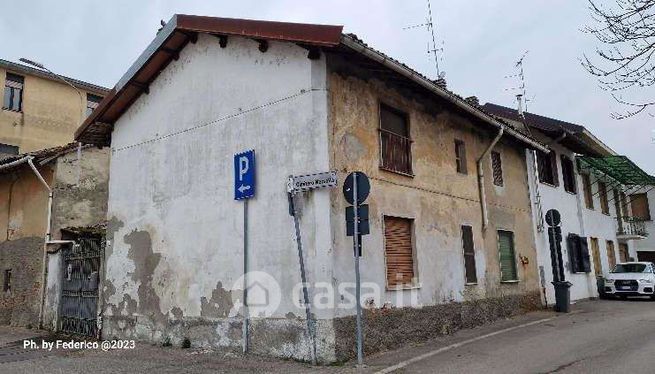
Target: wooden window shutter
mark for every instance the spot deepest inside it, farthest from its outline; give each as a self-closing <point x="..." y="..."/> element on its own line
<point x="460" y="156"/>
<point x="398" y="251"/>
<point x="497" y="166"/>
<point x="506" y="252"/>
<point x="640" y="208"/>
<point x="469" y="255"/>
<point x="611" y="256"/>
<point x="584" y="254"/>
<point x="553" y="163"/>
<point x="574" y="252"/>
<point x="588" y="196"/>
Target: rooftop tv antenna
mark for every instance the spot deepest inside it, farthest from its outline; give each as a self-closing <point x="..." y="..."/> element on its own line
<point x="521" y="95"/>
<point x="432" y="48"/>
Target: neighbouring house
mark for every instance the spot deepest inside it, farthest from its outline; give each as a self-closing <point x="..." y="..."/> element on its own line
<point x="50" y="198"/>
<point x="39" y="110"/>
<point x="450" y="213"/>
<point x="591" y="187"/>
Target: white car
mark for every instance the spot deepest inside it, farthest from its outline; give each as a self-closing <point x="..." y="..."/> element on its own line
<point x="631" y="279"/>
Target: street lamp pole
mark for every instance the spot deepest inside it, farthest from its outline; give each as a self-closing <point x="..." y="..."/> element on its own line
<point x="42" y="67"/>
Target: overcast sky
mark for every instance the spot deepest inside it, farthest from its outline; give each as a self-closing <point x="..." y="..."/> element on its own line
<point x="97" y="41"/>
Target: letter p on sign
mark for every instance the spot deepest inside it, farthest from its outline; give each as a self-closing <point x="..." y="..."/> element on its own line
<point x="244" y="175"/>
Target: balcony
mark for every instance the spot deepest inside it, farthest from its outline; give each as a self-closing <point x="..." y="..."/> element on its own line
<point x="631" y="228"/>
<point x="396" y="153"/>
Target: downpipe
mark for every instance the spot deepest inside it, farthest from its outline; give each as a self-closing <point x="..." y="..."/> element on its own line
<point x="483" y="194"/>
<point x="48" y="237"/>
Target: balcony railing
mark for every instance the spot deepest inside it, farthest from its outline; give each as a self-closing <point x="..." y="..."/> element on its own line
<point x="631" y="226"/>
<point x="395" y="152"/>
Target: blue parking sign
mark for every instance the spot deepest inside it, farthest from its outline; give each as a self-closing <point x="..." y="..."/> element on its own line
<point x="244" y="175"/>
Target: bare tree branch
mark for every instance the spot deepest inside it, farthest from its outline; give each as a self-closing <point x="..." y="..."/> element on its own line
<point x="626" y="58"/>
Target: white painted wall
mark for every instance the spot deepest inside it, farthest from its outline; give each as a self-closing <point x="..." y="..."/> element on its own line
<point x="178" y="184"/>
<point x="577" y="219"/>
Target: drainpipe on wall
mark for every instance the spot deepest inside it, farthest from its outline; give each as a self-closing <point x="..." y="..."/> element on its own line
<point x="483" y="195"/>
<point x="48" y="236"/>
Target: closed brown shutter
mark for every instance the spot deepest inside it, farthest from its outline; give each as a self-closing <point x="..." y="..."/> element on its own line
<point x="611" y="257"/>
<point x="469" y="254"/>
<point x="640" y="208"/>
<point x="398" y="251"/>
<point x="586" y="186"/>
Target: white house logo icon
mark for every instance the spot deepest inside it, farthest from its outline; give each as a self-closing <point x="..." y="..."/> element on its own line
<point x="264" y="294"/>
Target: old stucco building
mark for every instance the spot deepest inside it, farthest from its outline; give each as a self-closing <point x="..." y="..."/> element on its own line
<point x="39" y="110"/>
<point x="32" y="233"/>
<point x="307" y="99"/>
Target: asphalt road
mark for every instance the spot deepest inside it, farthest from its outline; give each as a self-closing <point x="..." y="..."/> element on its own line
<point x="608" y="336"/>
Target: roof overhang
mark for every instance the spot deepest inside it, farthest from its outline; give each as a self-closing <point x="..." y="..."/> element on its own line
<point x="182" y="29"/>
<point x="170" y="40"/>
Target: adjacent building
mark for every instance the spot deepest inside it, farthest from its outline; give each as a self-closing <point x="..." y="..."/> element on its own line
<point x="593" y="189"/>
<point x="39" y="110"/>
<point x="49" y="199"/>
<point x="451" y="242"/>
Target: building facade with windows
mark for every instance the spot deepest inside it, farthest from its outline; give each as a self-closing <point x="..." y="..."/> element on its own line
<point x="593" y="196"/>
<point x="39" y="110"/>
<point x="450" y="241"/>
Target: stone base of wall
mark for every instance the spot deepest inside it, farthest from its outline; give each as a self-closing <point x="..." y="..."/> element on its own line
<point x="386" y="329"/>
<point x="335" y="339"/>
<point x="278" y="337"/>
<point x="20" y="305"/>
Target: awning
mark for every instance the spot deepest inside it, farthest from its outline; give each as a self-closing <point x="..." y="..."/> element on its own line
<point x="618" y="168"/>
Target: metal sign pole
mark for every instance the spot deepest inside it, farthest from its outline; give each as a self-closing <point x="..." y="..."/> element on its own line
<point x="246" y="312"/>
<point x="360" y="353"/>
<point x="303" y="278"/>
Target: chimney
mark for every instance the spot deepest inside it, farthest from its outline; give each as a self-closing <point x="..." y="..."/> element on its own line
<point x="473" y="100"/>
<point x="441" y="82"/>
<point x="519" y="99"/>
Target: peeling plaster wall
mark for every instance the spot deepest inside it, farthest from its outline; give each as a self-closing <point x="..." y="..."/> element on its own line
<point x="438" y="198"/>
<point x="84" y="203"/>
<point x="175" y="248"/>
<point x="74" y="204"/>
<point x="23" y="202"/>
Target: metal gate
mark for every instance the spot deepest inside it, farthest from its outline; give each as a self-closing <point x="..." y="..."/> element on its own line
<point x="79" y="298"/>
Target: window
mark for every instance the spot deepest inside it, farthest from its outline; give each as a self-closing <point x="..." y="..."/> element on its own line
<point x="602" y="195"/>
<point x="506" y="255"/>
<point x="398" y="251"/>
<point x="460" y="156"/>
<point x="395" y="144"/>
<point x="623" y="252"/>
<point x="8" y="149"/>
<point x="640" y="208"/>
<point x="7" y="283"/>
<point x="92" y="102"/>
<point x="568" y="174"/>
<point x="586" y="186"/>
<point x="595" y="253"/>
<point x="469" y="255"/>
<point x="578" y="254"/>
<point x="611" y="256"/>
<point x="497" y="167"/>
<point x="13" y="98"/>
<point x="547" y="168"/>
